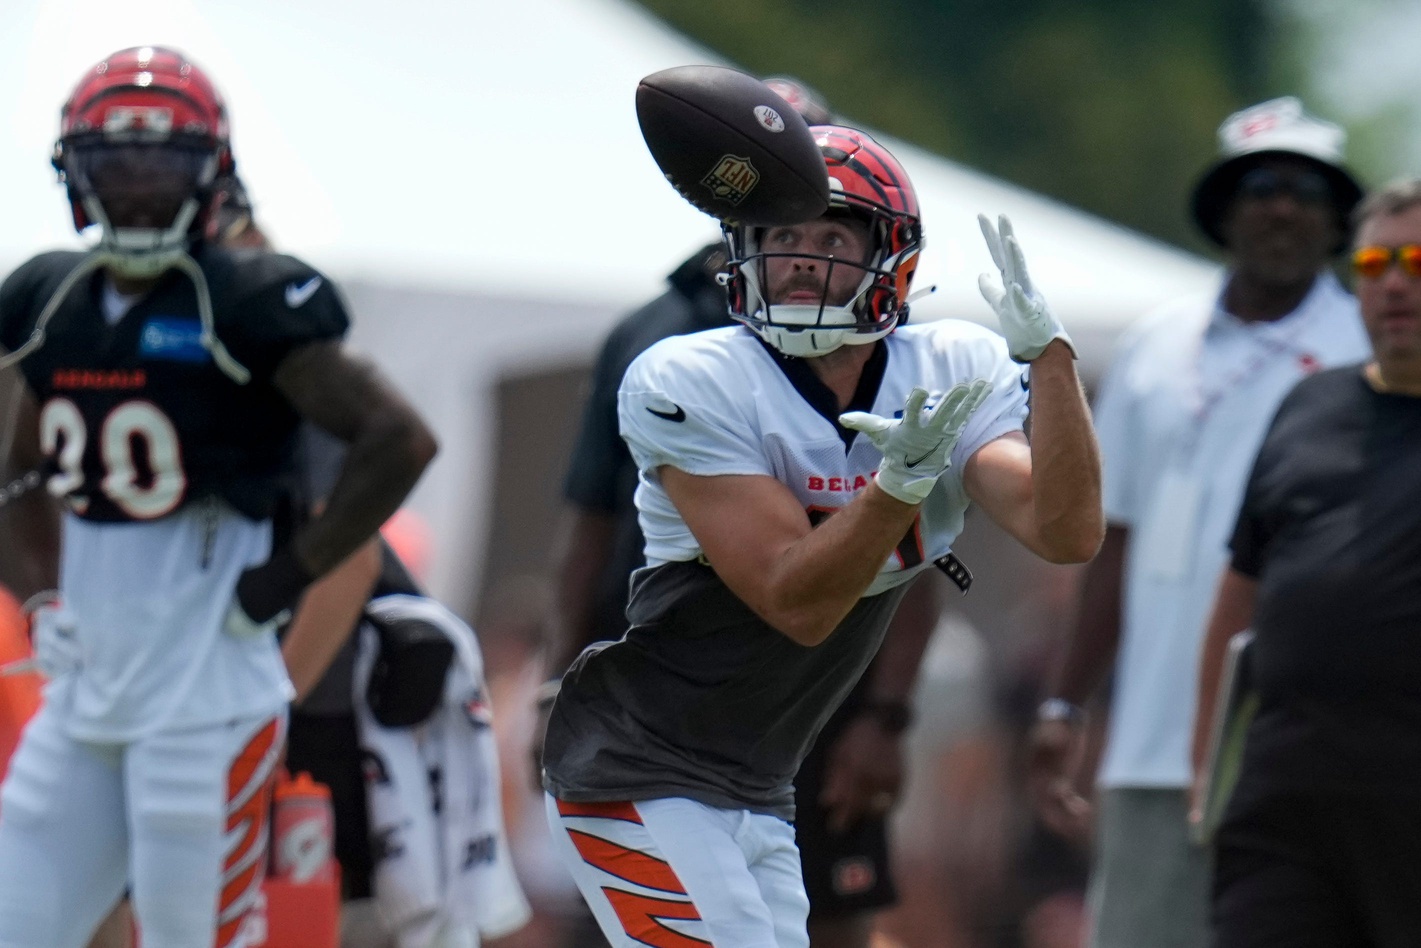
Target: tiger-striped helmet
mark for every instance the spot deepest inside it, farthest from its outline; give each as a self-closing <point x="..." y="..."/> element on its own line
<point x="868" y="183"/>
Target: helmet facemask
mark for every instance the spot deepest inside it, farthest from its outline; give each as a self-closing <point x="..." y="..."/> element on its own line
<point x="866" y="186"/>
<point x="145" y="197"/>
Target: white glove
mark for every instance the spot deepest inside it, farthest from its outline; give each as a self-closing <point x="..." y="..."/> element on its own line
<point x="52" y="636"/>
<point x="917" y="449"/>
<point x="1027" y="322"/>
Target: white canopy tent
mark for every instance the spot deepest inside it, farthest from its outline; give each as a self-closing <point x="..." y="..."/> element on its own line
<point x="473" y="173"/>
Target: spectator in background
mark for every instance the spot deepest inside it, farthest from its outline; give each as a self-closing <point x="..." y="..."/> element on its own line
<point x="848" y="783"/>
<point x="1320" y="844"/>
<point x="1180" y="414"/>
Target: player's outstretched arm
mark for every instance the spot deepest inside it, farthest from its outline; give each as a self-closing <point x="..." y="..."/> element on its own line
<point x="803" y="580"/>
<point x="1046" y="493"/>
<point x="389" y="447"/>
<point x="800" y="579"/>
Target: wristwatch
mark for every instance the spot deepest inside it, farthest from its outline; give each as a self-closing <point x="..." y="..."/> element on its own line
<point x="1059" y="709"/>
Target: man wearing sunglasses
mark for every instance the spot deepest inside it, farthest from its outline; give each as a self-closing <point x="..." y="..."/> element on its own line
<point x="1180" y="415"/>
<point x="1318" y="845"/>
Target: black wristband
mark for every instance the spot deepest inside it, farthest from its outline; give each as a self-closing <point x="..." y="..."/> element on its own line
<point x="893" y="716"/>
<point x="264" y="591"/>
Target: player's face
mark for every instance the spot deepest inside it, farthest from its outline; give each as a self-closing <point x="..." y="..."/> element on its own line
<point x="140" y="185"/>
<point x="1281" y="226"/>
<point x="811" y="280"/>
<point x="1391" y="302"/>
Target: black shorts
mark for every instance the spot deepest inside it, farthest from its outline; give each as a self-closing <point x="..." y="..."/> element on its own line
<point x="327" y="747"/>
<point x="1318" y="871"/>
<point x="844" y="873"/>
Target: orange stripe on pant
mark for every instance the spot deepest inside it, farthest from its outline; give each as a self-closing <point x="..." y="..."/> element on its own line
<point x="606" y="811"/>
<point x="640" y="915"/>
<point x="249" y="788"/>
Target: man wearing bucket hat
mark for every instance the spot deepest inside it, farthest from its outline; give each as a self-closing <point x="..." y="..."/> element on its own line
<point x="1180" y="416"/>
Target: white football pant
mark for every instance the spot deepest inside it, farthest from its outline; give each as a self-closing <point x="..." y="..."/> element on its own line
<point x="179" y="818"/>
<point x="674" y="873"/>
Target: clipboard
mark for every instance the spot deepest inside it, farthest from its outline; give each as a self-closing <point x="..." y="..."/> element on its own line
<point x="1234" y="711"/>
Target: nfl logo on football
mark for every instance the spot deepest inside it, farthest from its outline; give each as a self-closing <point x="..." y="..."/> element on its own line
<point x="731" y="179"/>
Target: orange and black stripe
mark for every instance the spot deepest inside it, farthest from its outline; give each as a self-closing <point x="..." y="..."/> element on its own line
<point x="641" y="915"/>
<point x="249" y="789"/>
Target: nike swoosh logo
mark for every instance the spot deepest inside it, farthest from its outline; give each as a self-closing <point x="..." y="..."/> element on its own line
<point x="297" y="295"/>
<point x="912" y="464"/>
<point x="678" y="415"/>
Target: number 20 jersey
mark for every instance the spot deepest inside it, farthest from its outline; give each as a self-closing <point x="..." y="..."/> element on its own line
<point x="721" y="402"/>
<point x="136" y="419"/>
<point x="171" y="471"/>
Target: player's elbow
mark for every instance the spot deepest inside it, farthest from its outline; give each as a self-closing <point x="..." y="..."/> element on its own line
<point x="1076" y="544"/>
<point x="405" y="440"/>
<point x="804" y="625"/>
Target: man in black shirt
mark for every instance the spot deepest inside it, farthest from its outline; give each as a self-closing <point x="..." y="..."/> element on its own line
<point x="1321" y="841"/>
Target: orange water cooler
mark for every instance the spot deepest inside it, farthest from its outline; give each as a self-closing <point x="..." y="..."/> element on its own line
<point x="300" y="902"/>
<point x="19" y="693"/>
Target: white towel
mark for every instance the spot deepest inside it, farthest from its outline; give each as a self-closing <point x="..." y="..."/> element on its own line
<point x="446" y="877"/>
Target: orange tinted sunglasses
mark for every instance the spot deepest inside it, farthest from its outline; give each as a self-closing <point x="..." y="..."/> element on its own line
<point x="1372" y="262"/>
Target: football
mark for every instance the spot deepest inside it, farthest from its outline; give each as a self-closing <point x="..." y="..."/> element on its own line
<point x="731" y="146"/>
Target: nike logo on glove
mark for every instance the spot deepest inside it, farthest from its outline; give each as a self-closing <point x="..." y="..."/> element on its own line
<point x="297" y="295"/>
<point x="678" y="415"/>
<point x="912" y="464"/>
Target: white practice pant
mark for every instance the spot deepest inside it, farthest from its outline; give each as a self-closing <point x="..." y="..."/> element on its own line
<point x="178" y="817"/>
<point x="674" y="873"/>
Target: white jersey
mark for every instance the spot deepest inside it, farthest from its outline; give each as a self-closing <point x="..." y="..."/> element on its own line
<point x="147" y="601"/>
<point x="1180" y="416"/>
<point x="719" y="402"/>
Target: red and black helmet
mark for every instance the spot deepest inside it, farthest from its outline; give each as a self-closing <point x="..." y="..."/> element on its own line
<point x="867" y="182"/>
<point x="155" y="100"/>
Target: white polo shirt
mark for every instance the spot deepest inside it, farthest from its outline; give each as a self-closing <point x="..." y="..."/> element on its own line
<point x="1180" y="416"/>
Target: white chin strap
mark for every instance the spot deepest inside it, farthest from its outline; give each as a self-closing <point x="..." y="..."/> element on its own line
<point x="808" y="331"/>
<point x="141" y="252"/>
<point x="229" y="366"/>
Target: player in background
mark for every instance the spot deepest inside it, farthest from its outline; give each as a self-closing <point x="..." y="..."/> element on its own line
<point x="163" y="380"/>
<point x="855" y="771"/>
<point x="777" y="554"/>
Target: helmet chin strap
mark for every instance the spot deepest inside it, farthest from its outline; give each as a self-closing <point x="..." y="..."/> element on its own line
<point x="141" y="252"/>
<point x="101" y="258"/>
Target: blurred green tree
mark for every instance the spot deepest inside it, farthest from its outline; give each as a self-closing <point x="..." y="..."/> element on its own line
<point x="1109" y="105"/>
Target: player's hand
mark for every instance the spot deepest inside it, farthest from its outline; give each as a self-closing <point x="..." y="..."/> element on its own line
<point x="863" y="774"/>
<point x="266" y="594"/>
<point x="1027" y="322"/>
<point x="1054" y="750"/>
<point x="917" y="448"/>
<point x="52" y="636"/>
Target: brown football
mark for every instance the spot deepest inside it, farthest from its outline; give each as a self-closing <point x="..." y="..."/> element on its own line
<point x="731" y="146"/>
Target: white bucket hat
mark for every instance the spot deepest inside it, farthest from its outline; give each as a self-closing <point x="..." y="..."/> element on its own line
<point x="1276" y="127"/>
